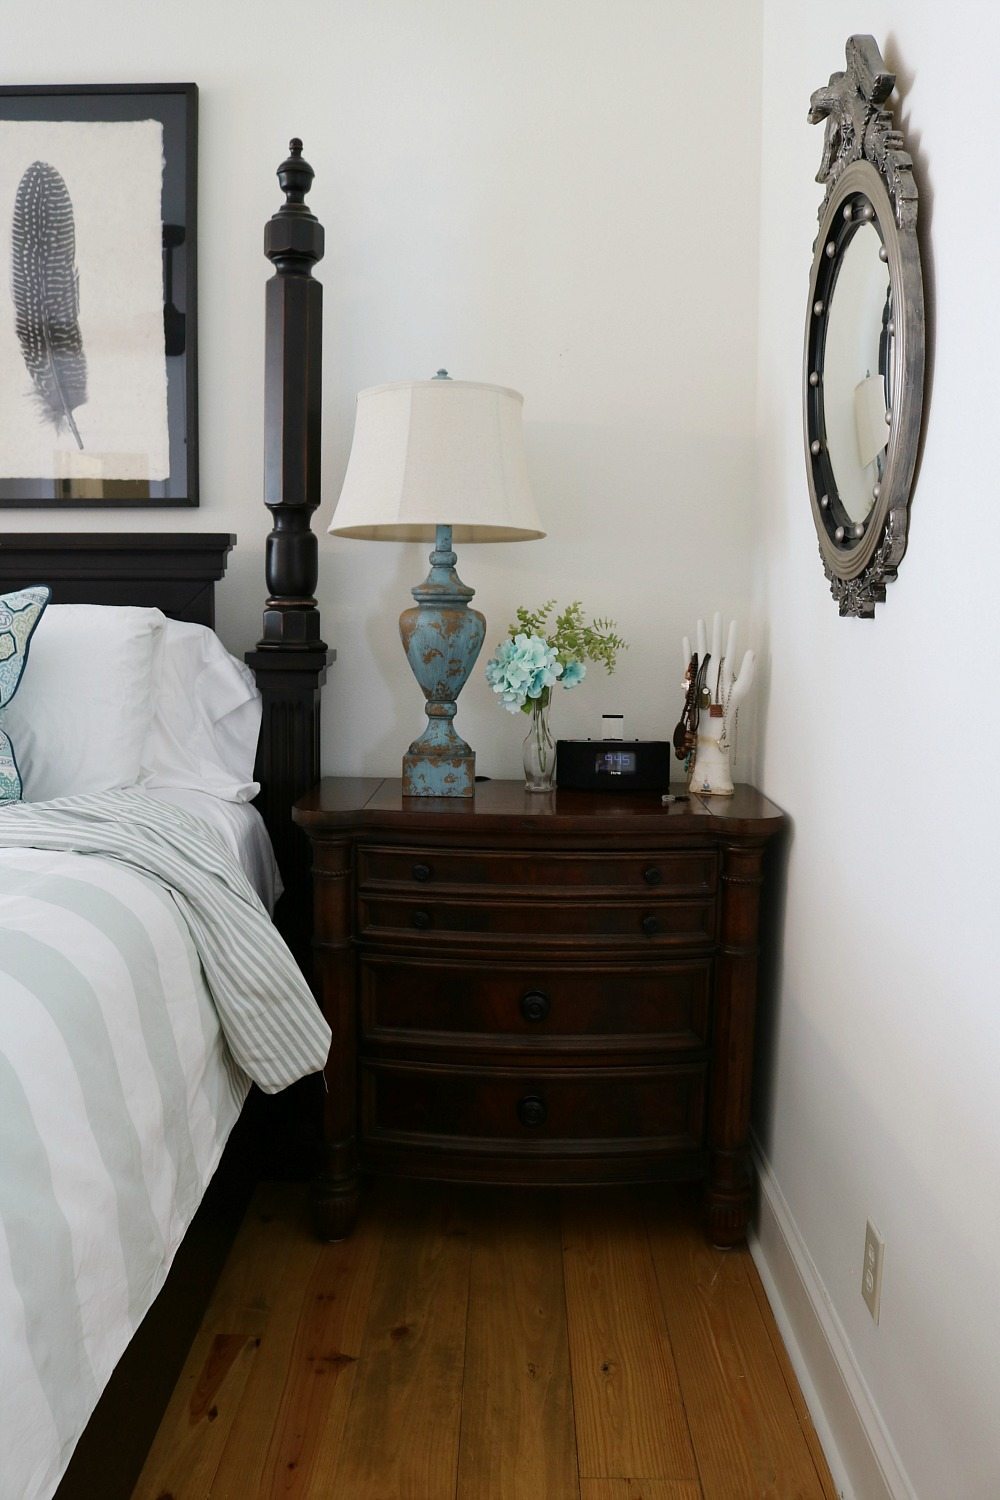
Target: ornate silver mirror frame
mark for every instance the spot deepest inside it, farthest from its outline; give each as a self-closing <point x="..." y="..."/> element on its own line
<point x="863" y="371"/>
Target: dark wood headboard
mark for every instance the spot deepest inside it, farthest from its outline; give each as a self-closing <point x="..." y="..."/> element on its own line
<point x="174" y="571"/>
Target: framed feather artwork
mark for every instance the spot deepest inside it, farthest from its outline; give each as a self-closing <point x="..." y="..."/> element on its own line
<point x="98" y="306"/>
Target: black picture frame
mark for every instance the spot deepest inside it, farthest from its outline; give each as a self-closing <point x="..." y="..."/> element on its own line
<point x="175" y="106"/>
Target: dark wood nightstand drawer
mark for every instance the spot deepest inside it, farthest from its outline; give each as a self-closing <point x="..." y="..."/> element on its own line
<point x="522" y="1110"/>
<point x="437" y="917"/>
<point x="689" y="872"/>
<point x="563" y="1007"/>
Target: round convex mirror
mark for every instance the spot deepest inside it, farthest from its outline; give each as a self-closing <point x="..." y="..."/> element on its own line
<point x="864" y="355"/>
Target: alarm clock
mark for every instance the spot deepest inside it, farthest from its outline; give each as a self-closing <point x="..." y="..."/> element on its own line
<point x="613" y="765"/>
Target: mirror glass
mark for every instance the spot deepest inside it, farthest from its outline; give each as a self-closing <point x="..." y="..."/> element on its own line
<point x="857" y="371"/>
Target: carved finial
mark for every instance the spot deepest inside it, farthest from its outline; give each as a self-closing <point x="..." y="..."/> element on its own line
<point x="293" y="238"/>
<point x="295" y="174"/>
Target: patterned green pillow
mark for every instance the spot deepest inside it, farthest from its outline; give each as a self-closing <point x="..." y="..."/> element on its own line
<point x="20" y="612"/>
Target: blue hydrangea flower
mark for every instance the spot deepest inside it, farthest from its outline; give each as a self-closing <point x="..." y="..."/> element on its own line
<point x="522" y="667"/>
<point x="573" y="674"/>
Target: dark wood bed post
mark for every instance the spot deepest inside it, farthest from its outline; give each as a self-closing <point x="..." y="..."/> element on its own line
<point x="290" y="659"/>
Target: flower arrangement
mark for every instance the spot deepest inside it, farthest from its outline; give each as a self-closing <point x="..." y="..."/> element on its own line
<point x="531" y="659"/>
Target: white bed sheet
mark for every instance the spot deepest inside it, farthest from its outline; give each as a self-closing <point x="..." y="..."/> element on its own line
<point x="124" y="1098"/>
<point x="242" y="830"/>
<point x="117" y="1086"/>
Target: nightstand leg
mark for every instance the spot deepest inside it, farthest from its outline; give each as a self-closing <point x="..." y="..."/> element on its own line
<point x="730" y="1177"/>
<point x="336" y="1189"/>
<point x="335" y="1193"/>
<point x="727" y="1198"/>
<point x="335" y="1205"/>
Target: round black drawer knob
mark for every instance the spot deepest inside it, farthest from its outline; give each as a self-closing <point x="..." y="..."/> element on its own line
<point x="421" y="872"/>
<point x="652" y="875"/>
<point x="531" y="1110"/>
<point x="535" y="1005"/>
<point x="650" y="925"/>
<point x="421" y="920"/>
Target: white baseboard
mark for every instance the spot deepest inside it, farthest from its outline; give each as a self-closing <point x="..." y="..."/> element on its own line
<point x="862" y="1457"/>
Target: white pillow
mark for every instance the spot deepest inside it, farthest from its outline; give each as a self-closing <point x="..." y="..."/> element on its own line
<point x="84" y="706"/>
<point x="206" y="717"/>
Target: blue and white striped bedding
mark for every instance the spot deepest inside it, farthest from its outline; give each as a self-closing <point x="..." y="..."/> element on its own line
<point x="141" y="983"/>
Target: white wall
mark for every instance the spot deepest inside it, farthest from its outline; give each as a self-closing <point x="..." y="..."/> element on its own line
<point x="558" y="197"/>
<point x="882" y="1059"/>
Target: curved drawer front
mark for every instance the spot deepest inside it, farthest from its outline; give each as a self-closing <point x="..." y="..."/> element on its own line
<point x="593" y="1007"/>
<point x="509" y="1109"/>
<point x="431" y="915"/>
<point x="675" y="872"/>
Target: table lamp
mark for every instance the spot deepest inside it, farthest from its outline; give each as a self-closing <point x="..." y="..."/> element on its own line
<point x="438" y="460"/>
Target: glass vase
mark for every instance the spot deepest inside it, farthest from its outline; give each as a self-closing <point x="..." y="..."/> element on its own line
<point x="539" y="750"/>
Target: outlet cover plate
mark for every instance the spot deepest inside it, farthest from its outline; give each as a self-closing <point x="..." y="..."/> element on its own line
<point x="871" y="1274"/>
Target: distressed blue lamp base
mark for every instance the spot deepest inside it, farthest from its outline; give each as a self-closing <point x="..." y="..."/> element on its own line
<point x="442" y="638"/>
<point x="427" y="776"/>
<point x="428" y="773"/>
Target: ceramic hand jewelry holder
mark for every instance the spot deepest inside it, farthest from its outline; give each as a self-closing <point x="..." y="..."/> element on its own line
<point x="714" y="692"/>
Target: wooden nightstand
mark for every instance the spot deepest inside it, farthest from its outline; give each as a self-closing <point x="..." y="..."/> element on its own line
<point x="537" y="989"/>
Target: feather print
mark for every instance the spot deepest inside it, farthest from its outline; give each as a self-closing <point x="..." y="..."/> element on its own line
<point x="45" y="288"/>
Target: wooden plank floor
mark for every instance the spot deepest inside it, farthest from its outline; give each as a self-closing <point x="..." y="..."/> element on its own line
<point x="487" y="1345"/>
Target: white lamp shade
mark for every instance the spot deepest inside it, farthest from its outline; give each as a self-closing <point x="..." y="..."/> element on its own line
<point x="437" y="452"/>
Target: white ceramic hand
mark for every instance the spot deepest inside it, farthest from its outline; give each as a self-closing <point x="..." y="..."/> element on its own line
<point x="711" y="772"/>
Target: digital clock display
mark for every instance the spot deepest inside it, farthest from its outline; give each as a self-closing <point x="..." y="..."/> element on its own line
<point x="615" y="763"/>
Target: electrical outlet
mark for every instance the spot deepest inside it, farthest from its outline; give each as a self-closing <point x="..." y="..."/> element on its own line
<point x="871" y="1274"/>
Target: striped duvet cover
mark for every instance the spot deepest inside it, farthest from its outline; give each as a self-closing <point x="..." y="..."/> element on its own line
<point x="141" y="985"/>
